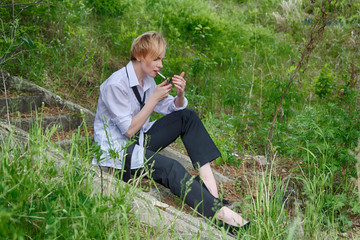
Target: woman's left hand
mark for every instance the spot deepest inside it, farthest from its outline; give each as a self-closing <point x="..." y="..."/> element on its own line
<point x="179" y="83"/>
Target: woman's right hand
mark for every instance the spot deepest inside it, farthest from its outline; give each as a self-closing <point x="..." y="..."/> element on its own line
<point x="162" y="91"/>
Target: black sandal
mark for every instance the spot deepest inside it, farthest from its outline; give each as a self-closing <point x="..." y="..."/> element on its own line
<point x="233" y="229"/>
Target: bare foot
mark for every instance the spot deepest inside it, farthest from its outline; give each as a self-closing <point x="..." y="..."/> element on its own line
<point x="230" y="217"/>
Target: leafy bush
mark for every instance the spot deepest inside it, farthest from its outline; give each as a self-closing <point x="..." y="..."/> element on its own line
<point x="114" y="8"/>
<point x="325" y="83"/>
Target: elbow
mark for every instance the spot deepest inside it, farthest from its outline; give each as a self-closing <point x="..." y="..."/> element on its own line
<point x="129" y="134"/>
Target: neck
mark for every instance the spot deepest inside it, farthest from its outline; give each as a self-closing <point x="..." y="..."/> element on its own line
<point x="138" y="71"/>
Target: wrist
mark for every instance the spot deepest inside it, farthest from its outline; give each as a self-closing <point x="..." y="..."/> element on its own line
<point x="153" y="100"/>
<point x="181" y="95"/>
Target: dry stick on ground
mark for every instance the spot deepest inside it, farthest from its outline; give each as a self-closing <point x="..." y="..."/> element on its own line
<point x="316" y="33"/>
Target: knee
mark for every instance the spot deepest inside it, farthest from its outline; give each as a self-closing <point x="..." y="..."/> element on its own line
<point x="189" y="114"/>
<point x="178" y="177"/>
<point x="177" y="170"/>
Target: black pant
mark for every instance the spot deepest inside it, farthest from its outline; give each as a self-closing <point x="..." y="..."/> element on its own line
<point x="169" y="172"/>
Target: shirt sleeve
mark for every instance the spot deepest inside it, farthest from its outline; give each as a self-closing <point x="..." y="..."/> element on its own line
<point x="168" y="106"/>
<point x="118" y="104"/>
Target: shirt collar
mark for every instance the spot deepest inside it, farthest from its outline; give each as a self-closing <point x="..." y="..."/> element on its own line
<point x="133" y="80"/>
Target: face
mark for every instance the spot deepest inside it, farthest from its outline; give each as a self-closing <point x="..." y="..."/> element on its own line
<point x="151" y="66"/>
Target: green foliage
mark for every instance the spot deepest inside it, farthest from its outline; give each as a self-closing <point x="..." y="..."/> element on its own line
<point x="324" y="85"/>
<point x="325" y="206"/>
<point x="114" y="8"/>
<point x="222" y="131"/>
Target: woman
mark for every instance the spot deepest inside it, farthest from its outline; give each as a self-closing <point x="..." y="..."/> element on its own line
<point x="127" y="99"/>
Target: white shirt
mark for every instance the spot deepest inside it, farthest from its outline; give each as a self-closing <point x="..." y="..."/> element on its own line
<point x="117" y="105"/>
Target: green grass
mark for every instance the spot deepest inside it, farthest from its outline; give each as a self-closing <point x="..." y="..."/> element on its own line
<point x="40" y="199"/>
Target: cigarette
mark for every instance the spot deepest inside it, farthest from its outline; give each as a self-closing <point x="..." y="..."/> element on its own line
<point x="162" y="75"/>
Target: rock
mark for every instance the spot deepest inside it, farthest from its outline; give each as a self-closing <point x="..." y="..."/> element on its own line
<point x="343" y="235"/>
<point x="261" y="160"/>
<point x="48" y="97"/>
<point x="13" y="135"/>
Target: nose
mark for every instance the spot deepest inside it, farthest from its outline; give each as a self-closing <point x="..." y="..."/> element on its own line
<point x="160" y="65"/>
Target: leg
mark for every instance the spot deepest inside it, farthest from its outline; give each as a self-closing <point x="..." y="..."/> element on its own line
<point x="188" y="126"/>
<point x="174" y="176"/>
<point x="209" y="180"/>
<point x="201" y="148"/>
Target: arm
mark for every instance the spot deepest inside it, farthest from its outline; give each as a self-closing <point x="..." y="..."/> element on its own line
<point x="161" y="92"/>
<point x="180" y="101"/>
<point x="180" y="84"/>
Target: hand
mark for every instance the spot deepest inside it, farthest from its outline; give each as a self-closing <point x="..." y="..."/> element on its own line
<point x="179" y="83"/>
<point x="161" y="91"/>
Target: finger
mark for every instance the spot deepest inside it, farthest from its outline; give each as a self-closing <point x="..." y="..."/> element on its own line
<point x="168" y="86"/>
<point x="163" y="83"/>
<point x="179" y="87"/>
<point x="182" y="74"/>
<point x="179" y="83"/>
<point x="180" y="78"/>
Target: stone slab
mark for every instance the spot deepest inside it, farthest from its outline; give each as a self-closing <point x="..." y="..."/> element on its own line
<point x="64" y="122"/>
<point x="23" y="104"/>
<point x="48" y="97"/>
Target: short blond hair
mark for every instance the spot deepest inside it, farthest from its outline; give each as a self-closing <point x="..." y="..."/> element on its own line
<point x="150" y="44"/>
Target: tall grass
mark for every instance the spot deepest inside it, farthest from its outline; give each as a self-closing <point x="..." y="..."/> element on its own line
<point x="304" y="205"/>
<point x="45" y="194"/>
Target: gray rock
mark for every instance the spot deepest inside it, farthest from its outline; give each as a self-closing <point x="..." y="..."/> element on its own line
<point x="22" y="104"/>
<point x="261" y="160"/>
<point x="64" y="122"/>
<point x="48" y="97"/>
<point x="12" y="135"/>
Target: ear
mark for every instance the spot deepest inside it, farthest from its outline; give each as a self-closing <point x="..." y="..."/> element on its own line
<point x="139" y="58"/>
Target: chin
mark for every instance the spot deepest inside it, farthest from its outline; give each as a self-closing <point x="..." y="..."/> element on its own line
<point x="152" y="74"/>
